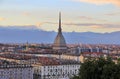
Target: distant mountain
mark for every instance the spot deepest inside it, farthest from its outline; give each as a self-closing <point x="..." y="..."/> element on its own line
<point x="14" y="35"/>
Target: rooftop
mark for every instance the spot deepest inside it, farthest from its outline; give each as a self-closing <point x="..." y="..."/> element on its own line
<point x="7" y="64"/>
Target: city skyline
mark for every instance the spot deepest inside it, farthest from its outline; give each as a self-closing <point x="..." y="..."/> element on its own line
<point x="77" y="15"/>
<point x="58" y="39"/>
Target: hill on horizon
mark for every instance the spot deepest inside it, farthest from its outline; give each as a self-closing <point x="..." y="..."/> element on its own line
<point x="8" y="35"/>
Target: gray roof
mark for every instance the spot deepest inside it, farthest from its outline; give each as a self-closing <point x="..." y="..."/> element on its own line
<point x="59" y="41"/>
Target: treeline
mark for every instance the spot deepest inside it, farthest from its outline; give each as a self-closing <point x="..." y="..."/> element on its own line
<point x="99" y="69"/>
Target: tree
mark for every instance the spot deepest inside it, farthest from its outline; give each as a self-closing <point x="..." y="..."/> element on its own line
<point x="99" y="69"/>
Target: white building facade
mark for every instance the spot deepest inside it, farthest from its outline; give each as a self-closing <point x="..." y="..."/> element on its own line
<point x="57" y="71"/>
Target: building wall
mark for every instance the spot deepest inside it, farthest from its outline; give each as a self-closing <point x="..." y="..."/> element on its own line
<point x="57" y="71"/>
<point x="16" y="73"/>
<point x="68" y="57"/>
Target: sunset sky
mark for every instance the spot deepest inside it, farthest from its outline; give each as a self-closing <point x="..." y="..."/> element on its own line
<point x="77" y="15"/>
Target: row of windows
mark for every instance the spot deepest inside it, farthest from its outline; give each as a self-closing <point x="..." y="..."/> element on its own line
<point x="75" y="71"/>
<point x="61" y="66"/>
<point x="56" y="76"/>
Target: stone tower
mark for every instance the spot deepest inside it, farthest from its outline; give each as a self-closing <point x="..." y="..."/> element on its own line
<point x="59" y="43"/>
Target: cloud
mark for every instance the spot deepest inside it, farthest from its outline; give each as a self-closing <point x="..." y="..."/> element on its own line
<point x="39" y="24"/>
<point x="94" y="25"/>
<point x="26" y="13"/>
<point x="70" y="27"/>
<point x="89" y="25"/>
<point x="113" y="14"/>
<point x="82" y="27"/>
<point x="2" y="19"/>
<point x="78" y="27"/>
<point x="85" y="17"/>
<point x="26" y="27"/>
<point x="90" y="18"/>
<point x="50" y="22"/>
<point x="100" y="2"/>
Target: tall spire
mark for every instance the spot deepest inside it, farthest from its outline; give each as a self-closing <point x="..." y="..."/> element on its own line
<point x="59" y="30"/>
<point x="59" y="43"/>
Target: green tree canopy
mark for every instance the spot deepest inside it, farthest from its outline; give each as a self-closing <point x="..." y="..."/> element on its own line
<point x="99" y="69"/>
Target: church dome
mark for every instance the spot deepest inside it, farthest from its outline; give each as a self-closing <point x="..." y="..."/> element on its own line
<point x="59" y="41"/>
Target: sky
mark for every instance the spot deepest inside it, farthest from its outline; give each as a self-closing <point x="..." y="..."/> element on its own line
<point x="77" y="15"/>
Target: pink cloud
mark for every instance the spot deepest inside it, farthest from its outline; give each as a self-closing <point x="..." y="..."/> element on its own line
<point x="2" y="19"/>
<point x="100" y="2"/>
<point x="25" y="13"/>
